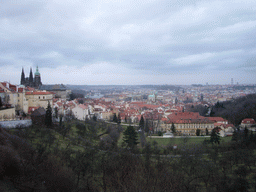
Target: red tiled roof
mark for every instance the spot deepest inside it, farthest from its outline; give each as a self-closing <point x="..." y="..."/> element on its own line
<point x="31" y="109"/>
<point x="83" y="106"/>
<point x="39" y="93"/>
<point x="215" y="119"/>
<point x="248" y="121"/>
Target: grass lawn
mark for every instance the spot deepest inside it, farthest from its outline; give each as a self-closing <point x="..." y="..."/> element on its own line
<point x="178" y="141"/>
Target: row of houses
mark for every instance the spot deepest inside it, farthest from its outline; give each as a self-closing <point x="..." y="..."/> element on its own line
<point x="158" y="117"/>
<point x="21" y="100"/>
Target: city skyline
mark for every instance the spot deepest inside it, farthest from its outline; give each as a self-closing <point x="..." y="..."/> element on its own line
<point x="130" y="42"/>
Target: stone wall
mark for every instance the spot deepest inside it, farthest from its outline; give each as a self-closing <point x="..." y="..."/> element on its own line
<point x="15" y="124"/>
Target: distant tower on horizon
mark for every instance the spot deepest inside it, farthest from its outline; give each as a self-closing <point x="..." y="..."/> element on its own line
<point x="37" y="79"/>
<point x="232" y="82"/>
<point x="31" y="81"/>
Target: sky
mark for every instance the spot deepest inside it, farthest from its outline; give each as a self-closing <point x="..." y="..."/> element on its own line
<point x="129" y="42"/>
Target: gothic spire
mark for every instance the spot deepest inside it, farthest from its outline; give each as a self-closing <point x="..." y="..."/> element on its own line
<point x="22" y="79"/>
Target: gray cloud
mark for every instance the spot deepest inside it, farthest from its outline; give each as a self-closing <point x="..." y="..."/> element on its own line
<point x="150" y="40"/>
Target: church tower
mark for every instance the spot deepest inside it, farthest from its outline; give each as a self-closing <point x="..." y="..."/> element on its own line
<point x="22" y="79"/>
<point x="31" y="79"/>
<point x="37" y="79"/>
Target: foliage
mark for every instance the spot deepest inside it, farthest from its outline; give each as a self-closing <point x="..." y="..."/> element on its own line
<point x="94" y="117"/>
<point x="160" y="133"/>
<point x="130" y="137"/>
<point x="42" y="164"/>
<point x="173" y="128"/>
<point x="199" y="108"/>
<point x="115" y="118"/>
<point x="206" y="131"/>
<point x="141" y="124"/>
<point x="198" y="132"/>
<point x="237" y="109"/>
<point x="48" y="116"/>
<point x="215" y="136"/>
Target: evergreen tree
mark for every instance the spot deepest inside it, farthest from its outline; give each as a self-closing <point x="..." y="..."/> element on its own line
<point x="141" y="125"/>
<point x="119" y="118"/>
<point x="115" y="118"/>
<point x="215" y="136"/>
<point x="206" y="132"/>
<point x="130" y="137"/>
<point x="173" y="128"/>
<point x="48" y="115"/>
<point x="1" y="104"/>
<point x="56" y="112"/>
<point x="94" y="118"/>
<point x="198" y="132"/>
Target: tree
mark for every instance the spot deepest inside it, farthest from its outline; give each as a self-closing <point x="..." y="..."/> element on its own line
<point x="141" y="124"/>
<point x="130" y="137"/>
<point x="215" y="136"/>
<point x="206" y="132"/>
<point x="48" y="115"/>
<point x="173" y="128"/>
<point x="115" y="118"/>
<point x="119" y="118"/>
<point x="56" y="112"/>
<point x="198" y="132"/>
<point x="94" y="117"/>
<point x="1" y="104"/>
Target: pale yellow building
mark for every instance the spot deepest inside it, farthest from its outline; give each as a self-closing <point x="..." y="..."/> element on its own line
<point x="39" y="98"/>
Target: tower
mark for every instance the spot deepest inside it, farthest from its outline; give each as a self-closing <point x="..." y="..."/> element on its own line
<point x="37" y="79"/>
<point x="22" y="79"/>
<point x="31" y="79"/>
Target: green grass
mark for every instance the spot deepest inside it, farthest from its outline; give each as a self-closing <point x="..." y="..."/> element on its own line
<point x="178" y="141"/>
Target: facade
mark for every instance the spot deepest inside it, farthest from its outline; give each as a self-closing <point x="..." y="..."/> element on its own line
<point x="186" y="123"/>
<point x="39" y="99"/>
<point x="38" y="116"/>
<point x="249" y="123"/>
<point x="31" y="81"/>
<point x="60" y="90"/>
<point x="7" y="114"/>
<point x="81" y="112"/>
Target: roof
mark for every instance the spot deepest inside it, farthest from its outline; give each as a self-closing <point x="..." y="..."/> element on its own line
<point x="56" y="87"/>
<point x="38" y="112"/>
<point x="83" y="106"/>
<point x="215" y="119"/>
<point x="39" y="93"/>
<point x="248" y="121"/>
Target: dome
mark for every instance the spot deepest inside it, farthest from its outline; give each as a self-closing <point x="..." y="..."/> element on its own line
<point x="37" y="72"/>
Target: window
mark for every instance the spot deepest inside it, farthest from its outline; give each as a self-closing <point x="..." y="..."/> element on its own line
<point x="39" y="97"/>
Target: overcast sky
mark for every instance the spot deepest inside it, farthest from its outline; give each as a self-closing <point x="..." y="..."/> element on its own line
<point x="129" y="41"/>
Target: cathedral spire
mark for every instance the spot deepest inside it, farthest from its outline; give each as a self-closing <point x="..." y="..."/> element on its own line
<point x="31" y="80"/>
<point x="22" y="79"/>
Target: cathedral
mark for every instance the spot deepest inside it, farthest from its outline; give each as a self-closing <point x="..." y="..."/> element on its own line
<point x="31" y="81"/>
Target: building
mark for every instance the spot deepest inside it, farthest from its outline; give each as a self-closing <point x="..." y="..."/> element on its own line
<point x="186" y="123"/>
<point x="81" y="112"/>
<point x="39" y="99"/>
<point x="31" y="81"/>
<point x="60" y="90"/>
<point x="249" y="123"/>
<point x="38" y="116"/>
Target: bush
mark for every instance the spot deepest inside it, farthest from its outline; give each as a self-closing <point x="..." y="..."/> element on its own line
<point x="160" y="133"/>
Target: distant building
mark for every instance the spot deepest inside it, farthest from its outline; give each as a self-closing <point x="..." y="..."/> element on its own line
<point x="39" y="99"/>
<point x="249" y="123"/>
<point x="186" y="123"/>
<point x="31" y="81"/>
<point x="38" y="116"/>
<point x="60" y="90"/>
